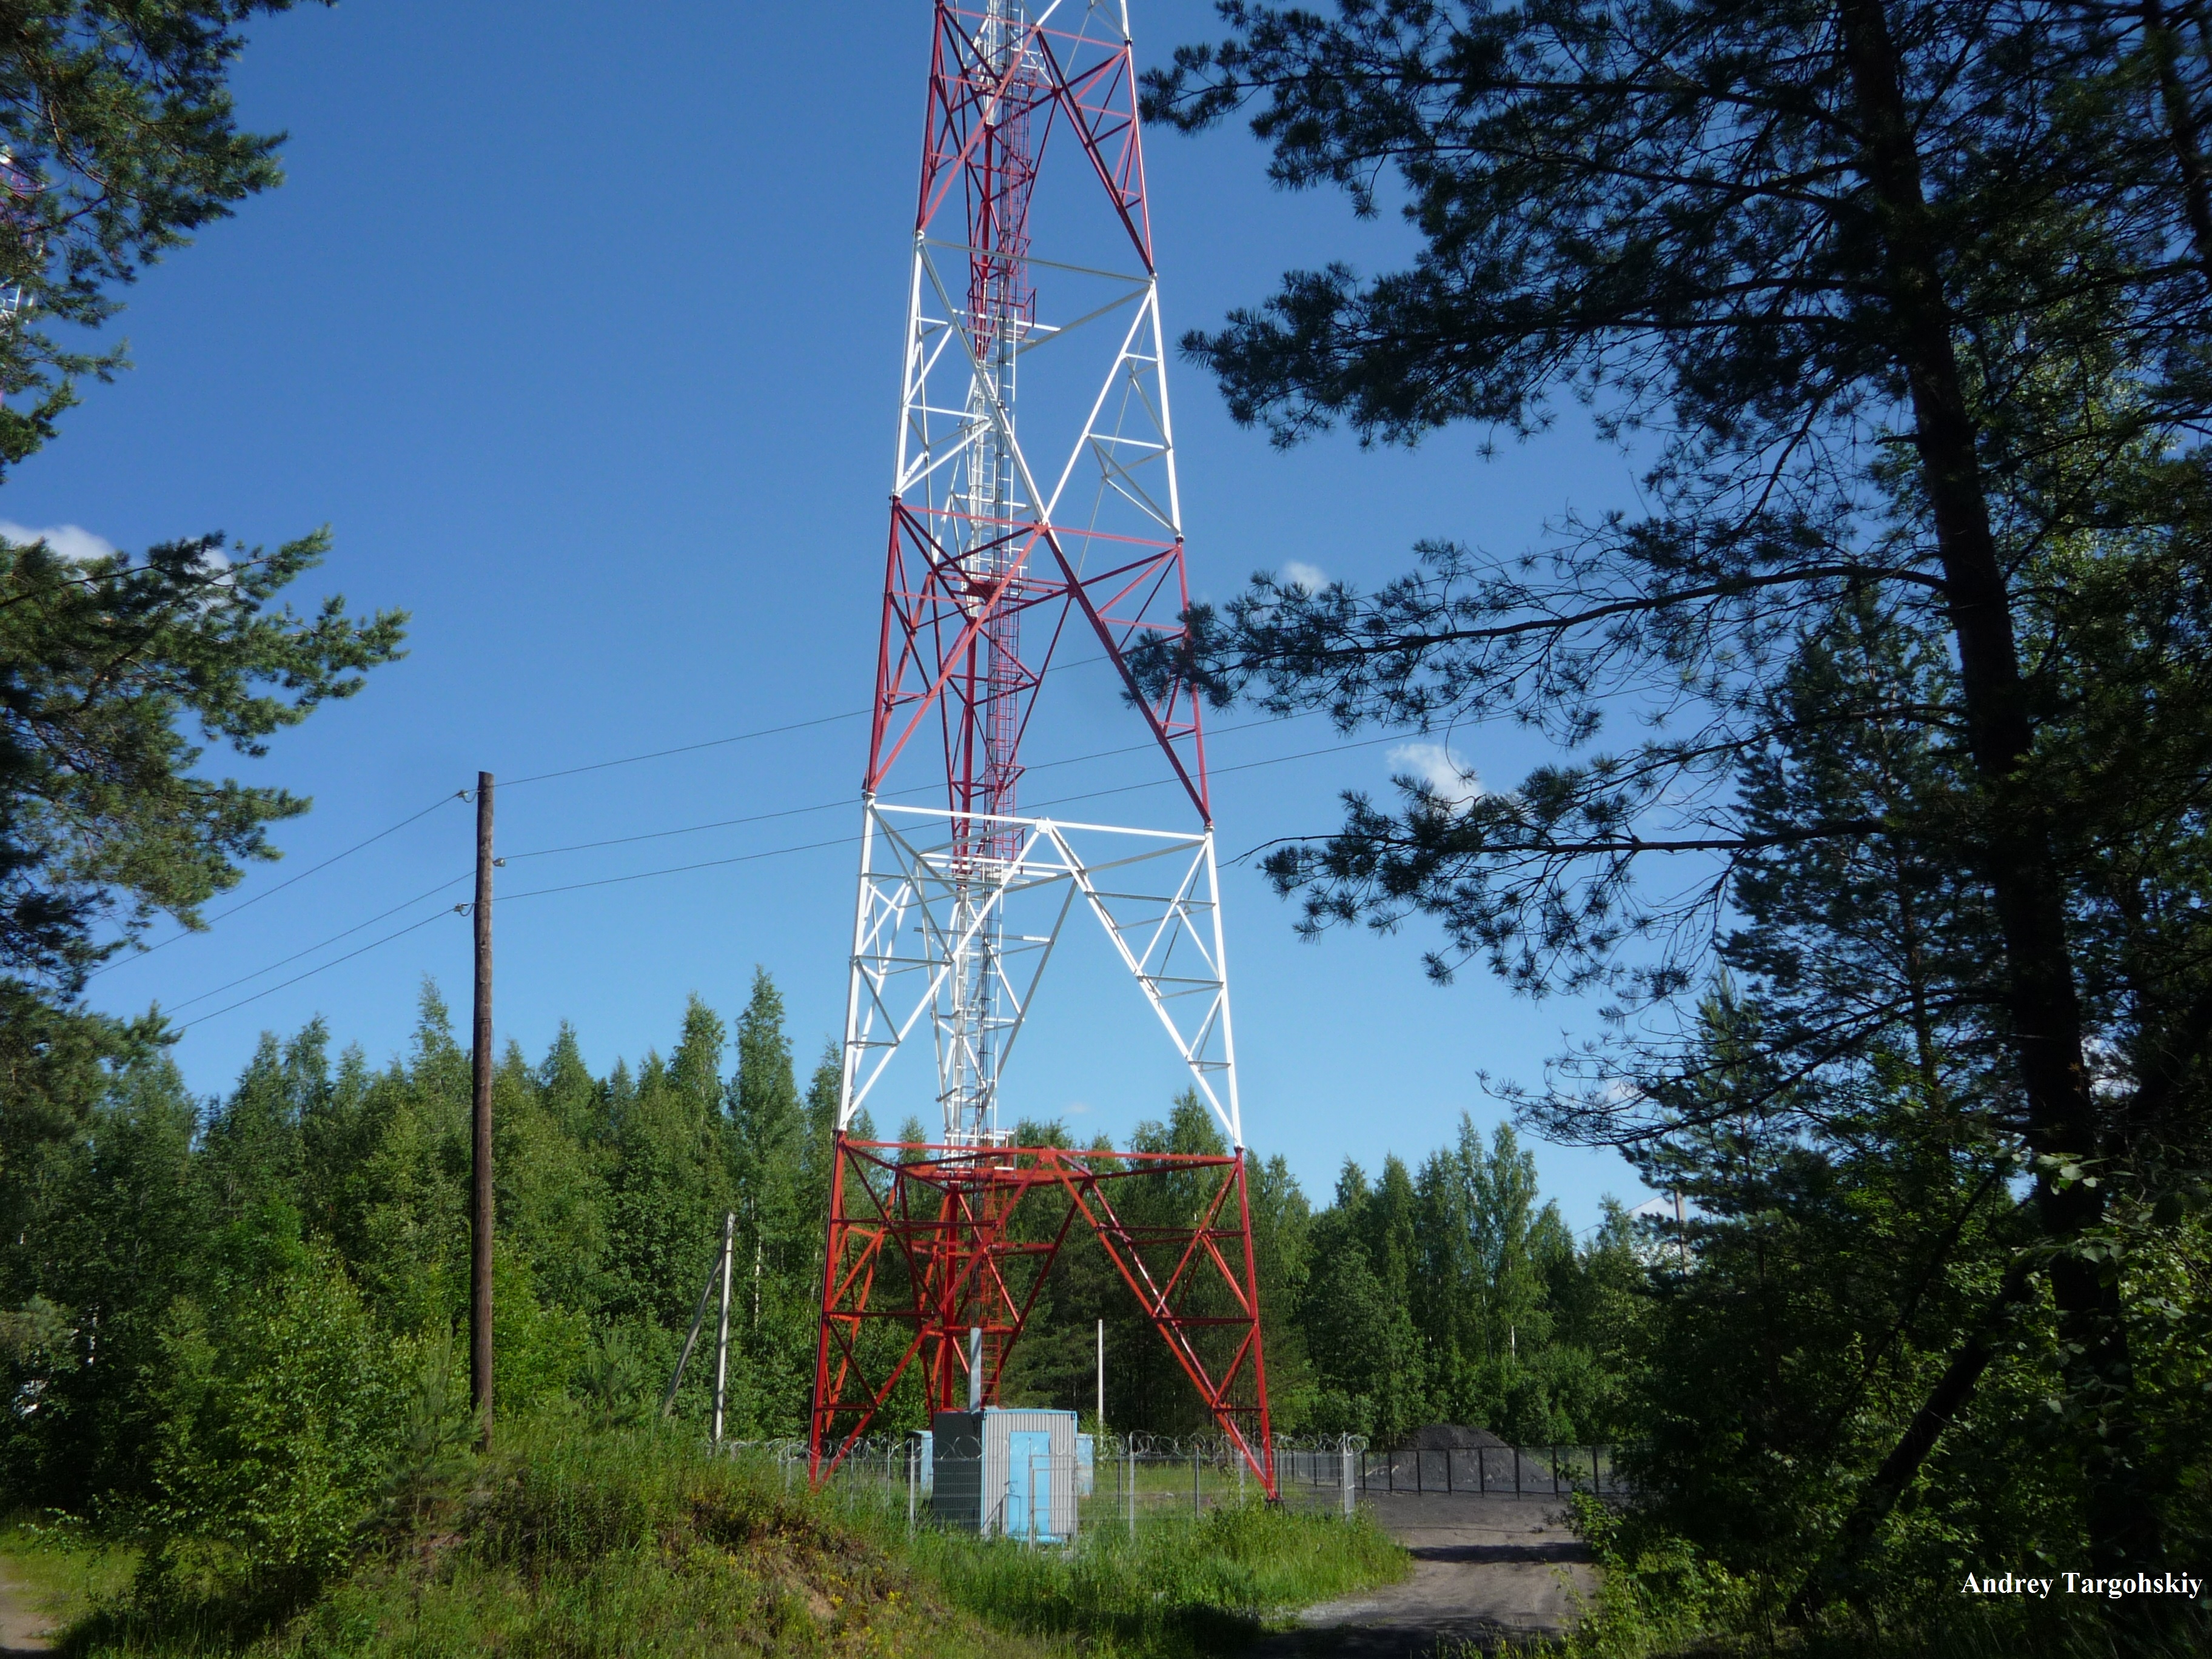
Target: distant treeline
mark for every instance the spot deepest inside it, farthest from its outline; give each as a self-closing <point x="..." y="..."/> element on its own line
<point x="277" y="1280"/>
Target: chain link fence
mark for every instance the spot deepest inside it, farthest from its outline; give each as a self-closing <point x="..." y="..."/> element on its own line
<point x="1125" y="1481"/>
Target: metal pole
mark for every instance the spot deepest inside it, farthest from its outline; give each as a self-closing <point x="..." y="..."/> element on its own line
<point x="722" y="1328"/>
<point x="480" y="1184"/>
<point x="1517" y="1471"/>
<point x="1129" y="1457"/>
<point x="1196" y="1508"/>
<point x="1101" y="1376"/>
<point x="913" y="1477"/>
<point x="975" y="1368"/>
<point x="691" y="1336"/>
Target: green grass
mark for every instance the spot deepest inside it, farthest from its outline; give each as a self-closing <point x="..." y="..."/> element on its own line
<point x="1183" y="1586"/>
<point x="637" y="1543"/>
<point x="64" y="1574"/>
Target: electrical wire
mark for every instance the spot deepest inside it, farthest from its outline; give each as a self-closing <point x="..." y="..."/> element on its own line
<point x="846" y="800"/>
<point x="311" y="950"/>
<point x="849" y="840"/>
<point x="687" y="748"/>
<point x="190" y="933"/>
<point x="679" y="869"/>
<point x="572" y="771"/>
<point x="741" y="737"/>
<point x="312" y="972"/>
<point x="709" y="864"/>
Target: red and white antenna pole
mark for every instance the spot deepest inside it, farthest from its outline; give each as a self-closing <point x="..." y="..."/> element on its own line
<point x="1006" y="538"/>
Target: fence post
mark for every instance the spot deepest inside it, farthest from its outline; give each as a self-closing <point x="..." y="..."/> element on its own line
<point x="1129" y="1457"/>
<point x="1517" y="1471"/>
<point x="1196" y="1508"/>
<point x="1555" y="1471"/>
<point x="1593" y="1468"/>
<point x="1448" y="1470"/>
<point x="913" y="1472"/>
<point x="1482" y="1470"/>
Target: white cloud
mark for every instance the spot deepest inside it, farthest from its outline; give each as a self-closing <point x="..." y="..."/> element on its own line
<point x="1075" y="1108"/>
<point x="1448" y="775"/>
<point x="72" y="542"/>
<point x="1298" y="573"/>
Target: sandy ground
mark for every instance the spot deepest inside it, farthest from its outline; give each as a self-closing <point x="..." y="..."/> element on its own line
<point x="23" y="1627"/>
<point x="1484" y="1568"/>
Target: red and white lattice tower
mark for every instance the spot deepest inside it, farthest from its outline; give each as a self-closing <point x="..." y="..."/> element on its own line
<point x="1033" y="286"/>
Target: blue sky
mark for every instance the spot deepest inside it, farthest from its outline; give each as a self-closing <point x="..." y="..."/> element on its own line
<point x="580" y="326"/>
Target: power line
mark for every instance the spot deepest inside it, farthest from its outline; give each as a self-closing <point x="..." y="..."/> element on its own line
<point x="709" y="864"/>
<point x="572" y="771"/>
<point x="848" y="841"/>
<point x="595" y="766"/>
<point x="190" y="933"/>
<point x="680" y="869"/>
<point x="741" y="737"/>
<point x="310" y="949"/>
<point x="689" y="748"/>
<point x="846" y="800"/>
<point x="312" y="972"/>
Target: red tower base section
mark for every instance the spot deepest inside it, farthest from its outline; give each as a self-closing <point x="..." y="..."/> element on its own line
<point x="928" y="1242"/>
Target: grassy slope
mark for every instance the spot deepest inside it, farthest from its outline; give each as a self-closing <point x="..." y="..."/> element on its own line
<point x="57" y="1573"/>
<point x="634" y="1545"/>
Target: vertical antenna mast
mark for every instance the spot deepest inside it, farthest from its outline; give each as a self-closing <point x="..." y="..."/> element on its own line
<point x="984" y="766"/>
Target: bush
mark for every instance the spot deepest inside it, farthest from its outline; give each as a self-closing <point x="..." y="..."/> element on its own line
<point x="285" y="1409"/>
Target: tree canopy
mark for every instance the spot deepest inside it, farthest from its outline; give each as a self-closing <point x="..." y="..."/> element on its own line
<point x="117" y="139"/>
<point x="1901" y="305"/>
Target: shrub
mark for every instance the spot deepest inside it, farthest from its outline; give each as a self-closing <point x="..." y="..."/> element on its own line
<point x="283" y="1412"/>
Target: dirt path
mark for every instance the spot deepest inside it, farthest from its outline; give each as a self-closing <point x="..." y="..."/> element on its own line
<point x="1483" y="1568"/>
<point x="23" y="1627"/>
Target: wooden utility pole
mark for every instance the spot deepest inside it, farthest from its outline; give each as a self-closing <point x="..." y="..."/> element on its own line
<point x="480" y="1190"/>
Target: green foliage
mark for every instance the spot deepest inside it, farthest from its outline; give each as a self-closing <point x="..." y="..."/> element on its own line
<point x="232" y="1335"/>
<point x="1909" y="633"/>
<point x="638" y="1542"/>
<point x="105" y="818"/>
<point x="1452" y="1294"/>
<point x="284" y="1408"/>
<point x="118" y="127"/>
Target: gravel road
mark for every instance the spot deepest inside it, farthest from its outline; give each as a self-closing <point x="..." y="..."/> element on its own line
<point x="22" y="1628"/>
<point x="1484" y="1568"/>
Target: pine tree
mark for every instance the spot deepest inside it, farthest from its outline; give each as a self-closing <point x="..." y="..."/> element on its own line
<point x="1890" y="291"/>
